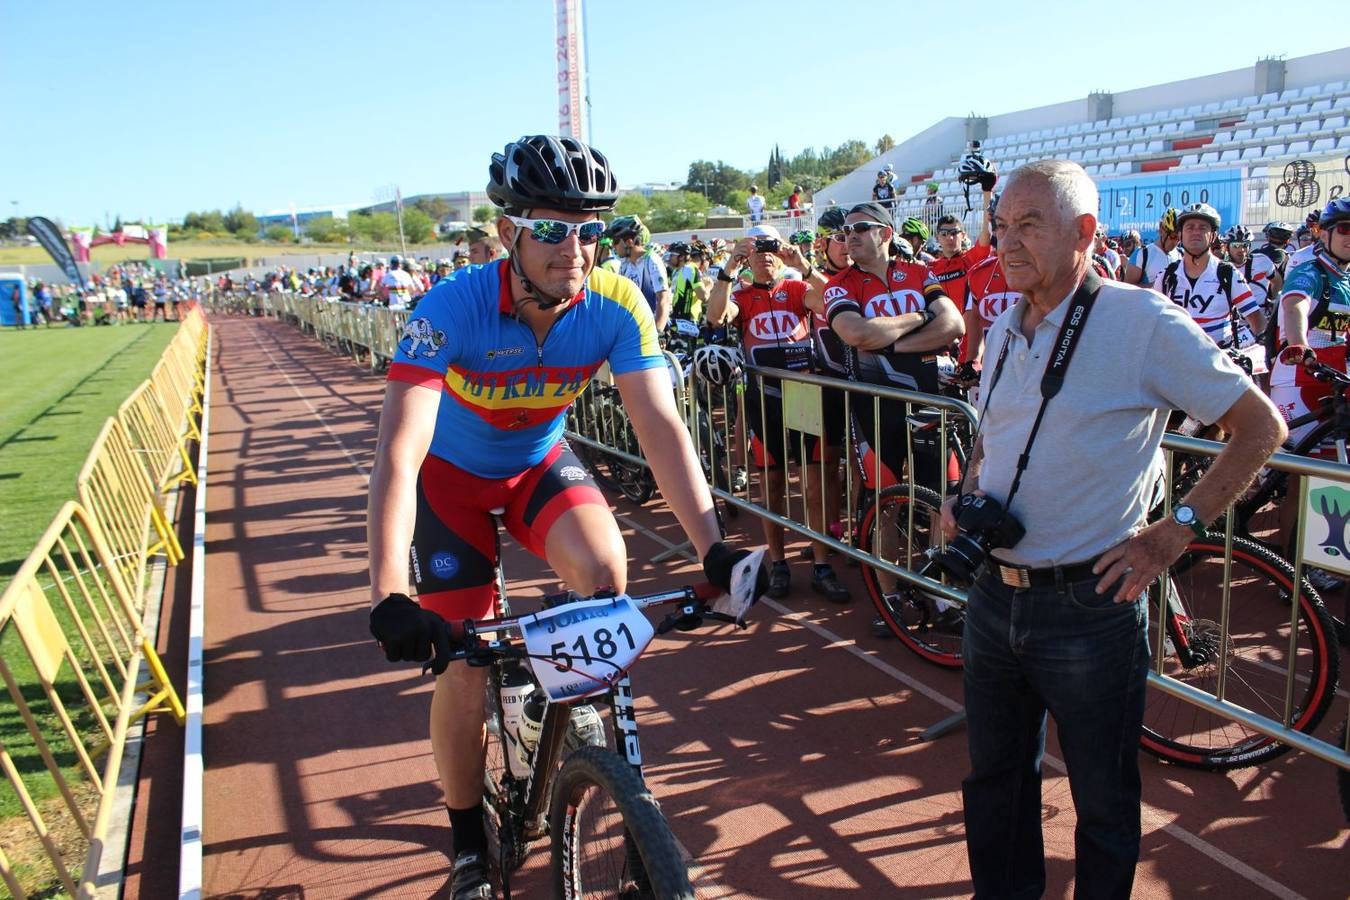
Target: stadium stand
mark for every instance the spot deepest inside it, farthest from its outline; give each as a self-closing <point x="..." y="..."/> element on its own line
<point x="1228" y="137"/>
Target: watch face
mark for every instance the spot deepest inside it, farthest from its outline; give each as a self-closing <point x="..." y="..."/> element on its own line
<point x="1184" y="515"/>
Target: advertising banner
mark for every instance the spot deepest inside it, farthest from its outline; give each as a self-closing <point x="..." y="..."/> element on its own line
<point x="49" y="236"/>
<point x="1302" y="186"/>
<point x="83" y="240"/>
<point x="570" y="52"/>
<point x="1136" y="202"/>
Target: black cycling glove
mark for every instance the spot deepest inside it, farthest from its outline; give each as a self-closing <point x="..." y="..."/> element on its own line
<point x="721" y="560"/>
<point x="406" y="631"/>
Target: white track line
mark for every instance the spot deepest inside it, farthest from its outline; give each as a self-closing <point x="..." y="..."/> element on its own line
<point x="1158" y="818"/>
<point x="194" y="768"/>
<point x="356" y="464"/>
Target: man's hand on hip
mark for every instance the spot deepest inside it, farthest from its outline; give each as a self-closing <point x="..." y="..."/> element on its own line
<point x="1136" y="563"/>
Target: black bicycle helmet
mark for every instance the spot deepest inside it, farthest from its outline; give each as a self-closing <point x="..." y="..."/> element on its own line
<point x="831" y="220"/>
<point x="542" y="171"/>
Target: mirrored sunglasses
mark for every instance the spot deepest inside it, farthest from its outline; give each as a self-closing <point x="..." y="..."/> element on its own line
<point x="861" y="227"/>
<point x="554" y="231"/>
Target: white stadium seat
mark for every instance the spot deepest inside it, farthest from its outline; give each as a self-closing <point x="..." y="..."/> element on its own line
<point x="1090" y="154"/>
<point x="1188" y="161"/>
<point x="1276" y="112"/>
<point x="1265" y="132"/>
<point x="1194" y="109"/>
<point x="1242" y="135"/>
<point x="1268" y="99"/>
<point x="1231" y="103"/>
<point x="1336" y="87"/>
<point x="1311" y="90"/>
<point x="1229" y="155"/>
<point x="1324" y="145"/>
<point x="1297" y="111"/>
<point x="1251" y="153"/>
<point x="1075" y="155"/>
<point x="1320" y="106"/>
<point x="1299" y="148"/>
<point x="1153" y="131"/>
<point x="1343" y="143"/>
<point x="1260" y="172"/>
<point x="1223" y="137"/>
<point x="1289" y="96"/>
<point x="1256" y="115"/>
<point x="1130" y="120"/>
<point x="1114" y="122"/>
<point x="1212" y="106"/>
<point x="1273" y="151"/>
<point x="1135" y="134"/>
<point x="1207" y="159"/>
<point x="1145" y="118"/>
<point x="1171" y="127"/>
<point x="1092" y="170"/>
<point x="1285" y="129"/>
<point x="1334" y="124"/>
<point x="1076" y="140"/>
<point x="1187" y="125"/>
<point x="1308" y="126"/>
<point x="1250" y="100"/>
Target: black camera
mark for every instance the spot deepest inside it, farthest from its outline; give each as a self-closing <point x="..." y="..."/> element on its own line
<point x="984" y="525"/>
<point x="767" y="245"/>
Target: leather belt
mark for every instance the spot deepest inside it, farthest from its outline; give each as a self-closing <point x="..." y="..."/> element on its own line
<point x="1024" y="577"/>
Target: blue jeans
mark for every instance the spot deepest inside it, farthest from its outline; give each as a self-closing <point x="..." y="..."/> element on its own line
<point x="1082" y="657"/>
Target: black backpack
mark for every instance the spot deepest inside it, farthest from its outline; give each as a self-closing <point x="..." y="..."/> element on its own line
<point x="1226" y="269"/>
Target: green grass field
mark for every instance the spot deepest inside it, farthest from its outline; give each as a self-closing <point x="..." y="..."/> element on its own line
<point x="57" y="388"/>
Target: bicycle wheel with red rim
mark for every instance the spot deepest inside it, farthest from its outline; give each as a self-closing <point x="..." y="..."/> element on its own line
<point x="1253" y="658"/>
<point x="899" y="527"/>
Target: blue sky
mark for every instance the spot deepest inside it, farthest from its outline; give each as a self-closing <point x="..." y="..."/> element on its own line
<point x="153" y="109"/>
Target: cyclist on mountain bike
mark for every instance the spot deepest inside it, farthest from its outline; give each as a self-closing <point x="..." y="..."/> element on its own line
<point x="1268" y="265"/>
<point x="1314" y="319"/>
<point x="472" y="424"/>
<point x="1208" y="288"/>
<point x="1146" y="262"/>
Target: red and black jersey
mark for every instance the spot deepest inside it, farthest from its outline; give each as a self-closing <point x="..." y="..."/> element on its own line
<point x="775" y="324"/>
<point x="951" y="271"/>
<point x="907" y="287"/>
<point x="987" y="291"/>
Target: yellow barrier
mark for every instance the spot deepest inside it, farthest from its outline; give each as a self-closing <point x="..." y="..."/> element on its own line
<point x="161" y="446"/>
<point x="114" y="488"/>
<point x="79" y="633"/>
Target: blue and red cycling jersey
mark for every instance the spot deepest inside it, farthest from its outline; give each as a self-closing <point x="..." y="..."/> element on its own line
<point x="504" y="395"/>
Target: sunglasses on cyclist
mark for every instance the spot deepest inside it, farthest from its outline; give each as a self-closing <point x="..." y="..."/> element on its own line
<point x="1243" y="245"/>
<point x="860" y="227"/>
<point x="554" y="231"/>
<point x="1341" y="228"/>
<point x="949" y="232"/>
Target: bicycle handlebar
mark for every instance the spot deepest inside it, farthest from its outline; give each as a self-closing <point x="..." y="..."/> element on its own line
<point x="463" y="639"/>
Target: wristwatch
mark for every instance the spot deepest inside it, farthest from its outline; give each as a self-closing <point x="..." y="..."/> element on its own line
<point x="1185" y="516"/>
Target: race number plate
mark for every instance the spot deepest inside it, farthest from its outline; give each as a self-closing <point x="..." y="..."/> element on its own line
<point x="582" y="648"/>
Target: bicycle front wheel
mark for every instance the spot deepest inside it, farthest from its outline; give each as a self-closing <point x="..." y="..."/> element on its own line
<point x="610" y="838"/>
<point x="905" y="530"/>
<point x="1254" y="659"/>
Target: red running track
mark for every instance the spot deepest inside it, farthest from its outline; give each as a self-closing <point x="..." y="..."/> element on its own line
<point x="787" y="756"/>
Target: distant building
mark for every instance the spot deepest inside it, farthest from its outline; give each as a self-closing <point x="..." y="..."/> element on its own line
<point x="300" y="215"/>
<point x="461" y="203"/>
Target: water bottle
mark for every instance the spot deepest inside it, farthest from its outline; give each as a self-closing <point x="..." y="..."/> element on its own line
<point x="516" y="687"/>
<point x="531" y="721"/>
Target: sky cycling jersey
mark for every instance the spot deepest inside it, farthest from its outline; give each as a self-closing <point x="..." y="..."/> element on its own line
<point x="774" y="323"/>
<point x="951" y="271"/>
<point x="1204" y="299"/>
<point x="504" y="394"/>
<point x="1260" y="268"/>
<point x="1152" y="260"/>
<point x="649" y="274"/>
<point x="907" y="288"/>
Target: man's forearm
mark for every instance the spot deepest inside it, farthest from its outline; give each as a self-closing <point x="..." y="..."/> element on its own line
<point x="937" y="335"/>
<point x="390" y="514"/>
<point x="1256" y="431"/>
<point x="663" y="301"/>
<point x="680" y="479"/>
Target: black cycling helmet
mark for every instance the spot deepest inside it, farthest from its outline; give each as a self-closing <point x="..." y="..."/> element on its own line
<point x="542" y="171"/>
<point x="1312" y="219"/>
<point x="830" y="220"/>
<point x="1238" y="235"/>
<point x="678" y="248"/>
<point x="626" y="227"/>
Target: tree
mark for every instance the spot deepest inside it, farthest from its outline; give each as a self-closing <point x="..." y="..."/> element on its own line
<point x="375" y="228"/>
<point x="240" y="221"/>
<point x="847" y="157"/>
<point x="485" y="213"/>
<point x="279" y="233"/>
<point x="716" y="180"/>
<point x="418" y="226"/>
<point x="885" y="144"/>
<point x="436" y="208"/>
<point x="632" y="204"/>
<point x="676" y="211"/>
<point x="326" y="229"/>
<point x="13" y="227"/>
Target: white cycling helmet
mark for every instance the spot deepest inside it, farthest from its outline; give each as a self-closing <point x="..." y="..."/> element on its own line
<point x="718" y="365"/>
<point x="764" y="231"/>
<point x="1200" y="211"/>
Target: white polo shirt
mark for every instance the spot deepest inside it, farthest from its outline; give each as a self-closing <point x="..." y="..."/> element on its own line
<point x="1096" y="459"/>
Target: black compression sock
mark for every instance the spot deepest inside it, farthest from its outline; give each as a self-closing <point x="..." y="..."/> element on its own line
<point x="466" y="829"/>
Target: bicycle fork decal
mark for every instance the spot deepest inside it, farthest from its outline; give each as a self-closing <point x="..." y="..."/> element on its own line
<point x="625" y="720"/>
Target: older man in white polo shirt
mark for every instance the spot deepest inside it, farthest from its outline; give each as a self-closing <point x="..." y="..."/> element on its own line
<point x="1057" y="620"/>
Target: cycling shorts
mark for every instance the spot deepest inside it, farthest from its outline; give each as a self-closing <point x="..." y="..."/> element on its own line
<point x="1296" y="393"/>
<point x="891" y="463"/>
<point x="767" y="449"/>
<point x="454" y="547"/>
<point x="835" y="424"/>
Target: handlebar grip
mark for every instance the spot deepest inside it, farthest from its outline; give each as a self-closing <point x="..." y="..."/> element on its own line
<point x="707" y="591"/>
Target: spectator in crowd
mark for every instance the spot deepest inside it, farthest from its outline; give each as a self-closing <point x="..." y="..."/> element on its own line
<point x="1146" y="262"/>
<point x="755" y="204"/>
<point x="915" y="234"/>
<point x="883" y="191"/>
<point x="396" y="288"/>
<point x="932" y="206"/>
<point x="1057" y="618"/>
<point x="794" y="206"/>
<point x="484" y="247"/>
<point x="640" y="265"/>
<point x="16" y="299"/>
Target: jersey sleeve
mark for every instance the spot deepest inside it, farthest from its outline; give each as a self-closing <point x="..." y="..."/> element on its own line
<point x="659" y="276"/>
<point x="839" y="299"/>
<point x="1137" y="258"/>
<point x="430" y="342"/>
<point x="932" y="289"/>
<point x="1303" y="282"/>
<point x="633" y="344"/>
<point x="1244" y="300"/>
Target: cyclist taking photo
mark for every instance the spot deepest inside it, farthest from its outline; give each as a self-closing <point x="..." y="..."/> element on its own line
<point x="472" y="425"/>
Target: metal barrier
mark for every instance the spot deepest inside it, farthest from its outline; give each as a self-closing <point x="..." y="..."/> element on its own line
<point x="597" y="425"/>
<point x="80" y="639"/>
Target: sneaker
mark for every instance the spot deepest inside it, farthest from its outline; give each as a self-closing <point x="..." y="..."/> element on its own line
<point x="1322" y="581"/>
<point x="780" y="580"/>
<point x="740" y="482"/>
<point x="827" y="584"/>
<point x="470" y="878"/>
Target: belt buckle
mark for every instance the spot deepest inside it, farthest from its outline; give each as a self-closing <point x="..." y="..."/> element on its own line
<point x="1014" y="577"/>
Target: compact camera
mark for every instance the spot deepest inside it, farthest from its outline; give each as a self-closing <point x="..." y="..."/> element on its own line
<point x="767" y="245"/>
<point x="984" y="525"/>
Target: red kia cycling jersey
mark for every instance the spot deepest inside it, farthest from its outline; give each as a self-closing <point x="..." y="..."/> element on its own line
<point x="775" y="324"/>
<point x="907" y="288"/>
<point x="987" y="291"/>
<point x="952" y="271"/>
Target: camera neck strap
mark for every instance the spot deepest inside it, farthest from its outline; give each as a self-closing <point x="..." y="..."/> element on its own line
<point x="1070" y="331"/>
